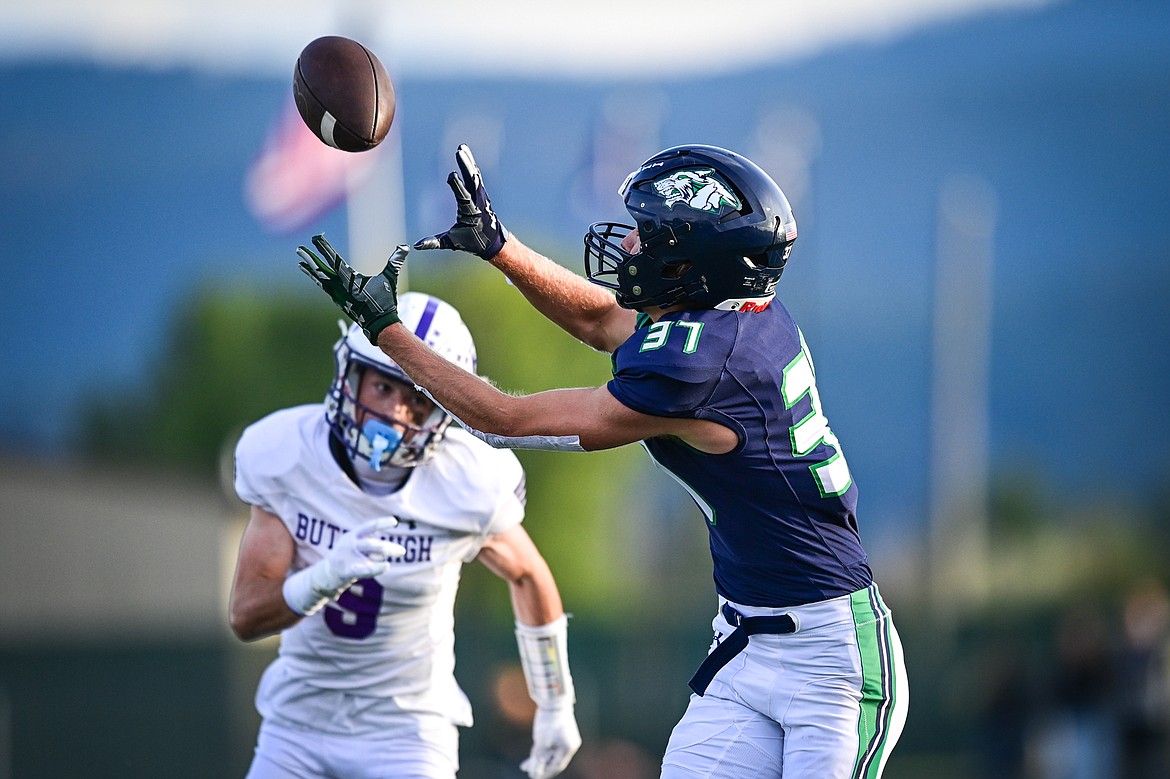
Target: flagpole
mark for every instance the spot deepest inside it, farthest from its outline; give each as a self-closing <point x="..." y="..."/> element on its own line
<point x="375" y="204"/>
<point x="961" y="358"/>
<point x="375" y="212"/>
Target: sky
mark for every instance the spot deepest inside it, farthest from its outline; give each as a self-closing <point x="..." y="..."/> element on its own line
<point x="603" y="38"/>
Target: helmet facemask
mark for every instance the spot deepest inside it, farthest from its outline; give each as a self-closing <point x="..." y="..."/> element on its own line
<point x="376" y="439"/>
<point x="638" y="279"/>
<point x="373" y="439"/>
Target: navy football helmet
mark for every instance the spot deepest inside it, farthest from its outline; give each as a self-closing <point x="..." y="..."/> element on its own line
<point x="715" y="231"/>
<point x="368" y="435"/>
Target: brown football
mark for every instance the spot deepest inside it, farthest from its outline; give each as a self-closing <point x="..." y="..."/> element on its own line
<point x="343" y="93"/>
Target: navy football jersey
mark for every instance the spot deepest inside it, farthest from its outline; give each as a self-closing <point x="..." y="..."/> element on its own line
<point x="781" y="506"/>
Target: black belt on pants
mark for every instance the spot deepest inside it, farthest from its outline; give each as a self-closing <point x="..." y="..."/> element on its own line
<point x="736" y="641"/>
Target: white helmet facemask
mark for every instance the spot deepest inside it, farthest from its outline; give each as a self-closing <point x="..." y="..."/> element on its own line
<point x="378" y="441"/>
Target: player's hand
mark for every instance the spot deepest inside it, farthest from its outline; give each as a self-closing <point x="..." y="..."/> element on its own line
<point x="555" y="739"/>
<point x="359" y="554"/>
<point x="476" y="229"/>
<point x="371" y="301"/>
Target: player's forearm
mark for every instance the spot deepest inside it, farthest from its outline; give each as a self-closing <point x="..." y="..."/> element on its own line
<point x="474" y="401"/>
<point x="535" y="598"/>
<point x="259" y="610"/>
<point x="578" y="307"/>
<point x="564" y="420"/>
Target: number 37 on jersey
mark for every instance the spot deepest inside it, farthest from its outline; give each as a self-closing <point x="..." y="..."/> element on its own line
<point x="807" y="434"/>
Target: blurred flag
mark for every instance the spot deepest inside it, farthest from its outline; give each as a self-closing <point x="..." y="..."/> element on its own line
<point x="296" y="178"/>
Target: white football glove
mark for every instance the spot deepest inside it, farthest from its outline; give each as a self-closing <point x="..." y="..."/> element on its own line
<point x="359" y="554"/>
<point x="555" y="739"/>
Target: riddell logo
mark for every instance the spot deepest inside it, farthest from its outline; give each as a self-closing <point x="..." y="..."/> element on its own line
<point x="751" y="307"/>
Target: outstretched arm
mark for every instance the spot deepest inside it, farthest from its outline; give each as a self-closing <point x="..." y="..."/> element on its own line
<point x="584" y="310"/>
<point x="571" y="302"/>
<point x="591" y="416"/>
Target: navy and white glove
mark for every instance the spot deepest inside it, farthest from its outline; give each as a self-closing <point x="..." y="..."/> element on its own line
<point x="361" y="553"/>
<point x="476" y="229"/>
<point x="370" y="301"/>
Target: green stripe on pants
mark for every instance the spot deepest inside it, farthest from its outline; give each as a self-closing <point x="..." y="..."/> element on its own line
<point x="871" y="621"/>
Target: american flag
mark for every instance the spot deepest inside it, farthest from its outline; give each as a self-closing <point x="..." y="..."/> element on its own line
<point x="296" y="178"/>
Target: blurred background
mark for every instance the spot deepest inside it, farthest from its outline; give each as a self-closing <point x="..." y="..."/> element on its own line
<point x="981" y="275"/>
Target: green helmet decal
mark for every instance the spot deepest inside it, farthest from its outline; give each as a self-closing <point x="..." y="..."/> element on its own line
<point x="698" y="188"/>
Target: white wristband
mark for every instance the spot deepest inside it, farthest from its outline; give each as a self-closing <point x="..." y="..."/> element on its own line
<point x="548" y="443"/>
<point x="544" y="655"/>
<point x="300" y="595"/>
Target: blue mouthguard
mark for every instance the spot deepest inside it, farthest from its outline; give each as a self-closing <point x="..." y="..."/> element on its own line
<point x="383" y="438"/>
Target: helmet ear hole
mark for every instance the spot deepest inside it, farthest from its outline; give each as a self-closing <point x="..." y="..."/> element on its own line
<point x="744" y="207"/>
<point x="767" y="260"/>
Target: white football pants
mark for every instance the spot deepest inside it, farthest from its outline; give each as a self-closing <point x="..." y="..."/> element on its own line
<point x="290" y="753"/>
<point x="825" y="702"/>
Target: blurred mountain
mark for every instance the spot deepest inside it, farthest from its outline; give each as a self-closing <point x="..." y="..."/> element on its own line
<point x="120" y="196"/>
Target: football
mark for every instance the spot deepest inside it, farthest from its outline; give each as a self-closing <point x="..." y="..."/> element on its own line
<point x="343" y="93"/>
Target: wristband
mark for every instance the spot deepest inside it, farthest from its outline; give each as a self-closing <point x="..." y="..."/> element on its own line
<point x="300" y="594"/>
<point x="548" y="443"/>
<point x="544" y="656"/>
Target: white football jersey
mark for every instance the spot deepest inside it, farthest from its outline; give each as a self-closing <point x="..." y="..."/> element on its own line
<point x="386" y="648"/>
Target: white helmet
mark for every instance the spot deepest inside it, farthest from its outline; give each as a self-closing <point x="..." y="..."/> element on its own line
<point x="378" y="439"/>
